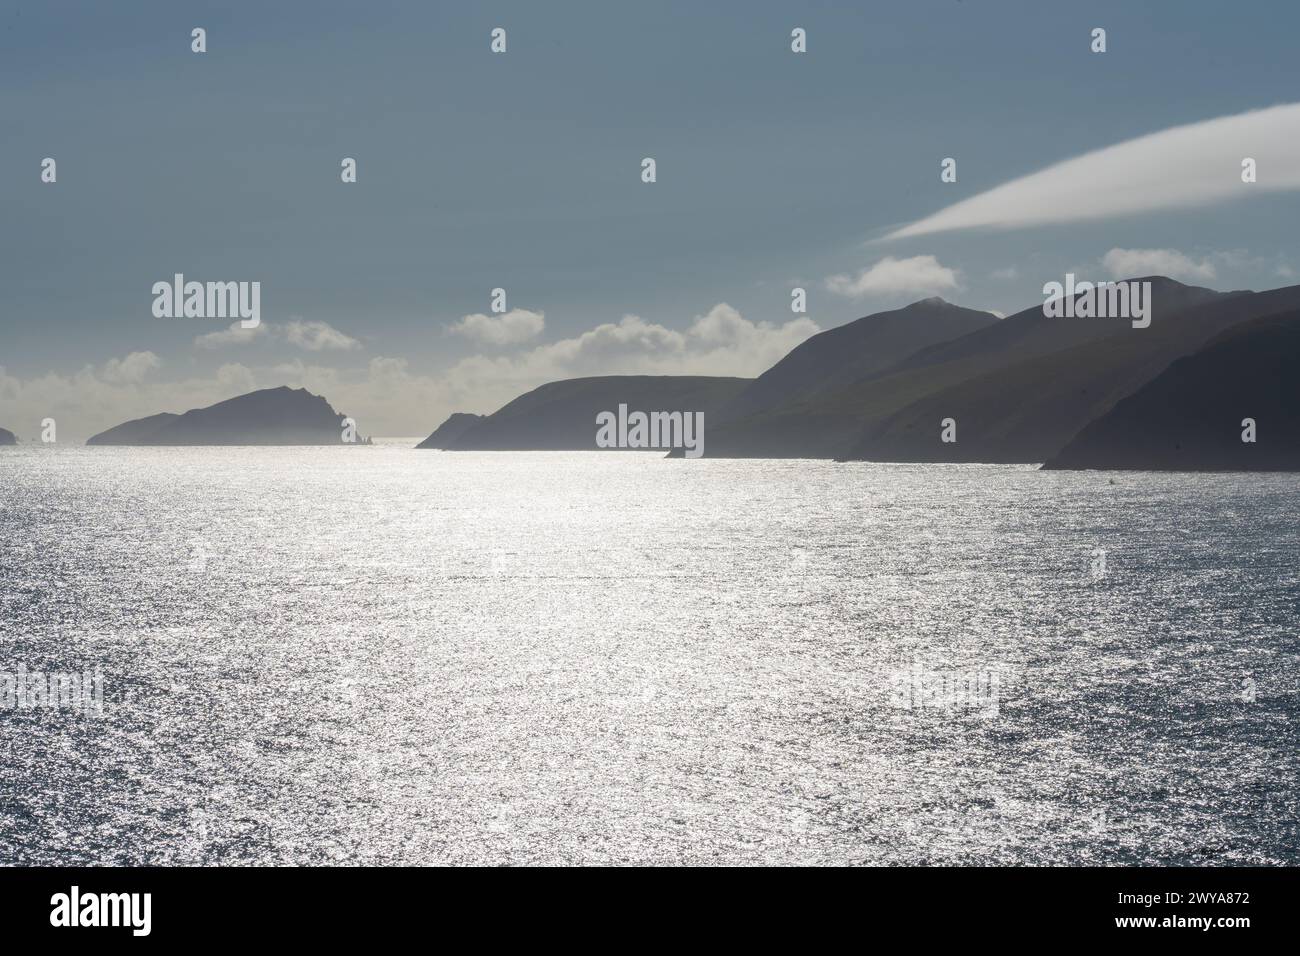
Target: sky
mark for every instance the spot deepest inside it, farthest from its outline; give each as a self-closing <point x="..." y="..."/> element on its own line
<point x="522" y="171"/>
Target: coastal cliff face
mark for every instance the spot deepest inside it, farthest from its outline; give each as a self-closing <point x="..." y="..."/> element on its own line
<point x="561" y="416"/>
<point x="7" y="437"/>
<point x="273" y="416"/>
<point x="1234" y="405"/>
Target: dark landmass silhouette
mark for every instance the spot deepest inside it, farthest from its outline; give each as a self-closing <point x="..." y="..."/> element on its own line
<point x="869" y="418"/>
<point x="1027" y="410"/>
<point x="852" y="352"/>
<point x="446" y="434"/>
<point x="561" y="416"/>
<point x="1190" y="416"/>
<point x="7" y="437"/>
<point x="271" y="416"/>
<point x="135" y="432"/>
<point x="1071" y="392"/>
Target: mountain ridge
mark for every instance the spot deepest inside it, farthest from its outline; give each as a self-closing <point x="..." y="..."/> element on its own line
<point x="850" y="352"/>
<point x="853" y="422"/>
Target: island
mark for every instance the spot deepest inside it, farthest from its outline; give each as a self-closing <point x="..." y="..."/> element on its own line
<point x="271" y="416"/>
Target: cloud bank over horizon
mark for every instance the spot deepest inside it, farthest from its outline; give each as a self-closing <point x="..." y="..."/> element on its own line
<point x="387" y="396"/>
<point x="1182" y="167"/>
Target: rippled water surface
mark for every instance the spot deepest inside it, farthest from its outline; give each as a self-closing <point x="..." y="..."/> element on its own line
<point x="382" y="655"/>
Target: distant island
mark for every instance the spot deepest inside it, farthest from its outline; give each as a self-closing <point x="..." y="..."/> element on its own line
<point x="1073" y="392"/>
<point x="7" y="437"/>
<point x="561" y="416"/>
<point x="272" y="416"/>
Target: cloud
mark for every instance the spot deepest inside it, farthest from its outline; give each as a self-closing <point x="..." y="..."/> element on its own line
<point x="236" y="379"/>
<point x="236" y="334"/>
<point x="312" y="336"/>
<point x="387" y="397"/>
<point x="720" y="342"/>
<point x="892" y="276"/>
<point x="510" y="328"/>
<point x="1182" y="167"/>
<point x="318" y="337"/>
<point x="130" y="370"/>
<point x="1010" y="272"/>
<point x="1126" y="263"/>
<point x="94" y="399"/>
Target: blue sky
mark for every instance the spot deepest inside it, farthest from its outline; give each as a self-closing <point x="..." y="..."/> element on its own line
<point x="522" y="171"/>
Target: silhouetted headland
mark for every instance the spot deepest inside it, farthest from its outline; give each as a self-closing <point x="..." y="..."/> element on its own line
<point x="447" y="434"/>
<point x="561" y="416"/>
<point x="1016" y="390"/>
<point x="1234" y="405"/>
<point x="272" y="416"/>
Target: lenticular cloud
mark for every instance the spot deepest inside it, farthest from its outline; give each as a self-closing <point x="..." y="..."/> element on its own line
<point x="1185" y="166"/>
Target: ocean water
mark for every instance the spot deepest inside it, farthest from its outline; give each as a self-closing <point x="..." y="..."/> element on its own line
<point x="382" y="655"/>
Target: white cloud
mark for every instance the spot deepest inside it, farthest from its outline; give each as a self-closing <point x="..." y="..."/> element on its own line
<point x="510" y="328"/>
<point x="1185" y="166"/>
<point x="236" y="379"/>
<point x="1127" y="263"/>
<point x="387" y="397"/>
<point x="318" y="337"/>
<point x="92" y="400"/>
<point x="236" y="334"/>
<point x="130" y="370"/>
<point x="892" y="276"/>
<point x="312" y="336"/>
<point x="720" y="342"/>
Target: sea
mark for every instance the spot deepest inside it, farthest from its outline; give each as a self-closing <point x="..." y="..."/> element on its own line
<point x="380" y="655"/>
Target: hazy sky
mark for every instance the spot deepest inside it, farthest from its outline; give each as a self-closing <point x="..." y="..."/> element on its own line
<point x="522" y="170"/>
